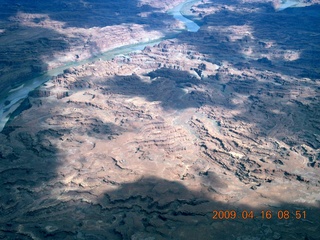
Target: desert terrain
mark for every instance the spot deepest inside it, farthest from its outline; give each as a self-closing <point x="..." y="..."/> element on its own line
<point x="156" y="143"/>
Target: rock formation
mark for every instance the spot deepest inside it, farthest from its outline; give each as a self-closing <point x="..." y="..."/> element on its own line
<point x="149" y="144"/>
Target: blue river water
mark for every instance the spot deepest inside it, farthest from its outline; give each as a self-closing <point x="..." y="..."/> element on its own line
<point x="176" y="13"/>
<point x="15" y="96"/>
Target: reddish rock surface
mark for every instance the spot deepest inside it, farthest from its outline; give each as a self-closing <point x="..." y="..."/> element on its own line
<point x="149" y="145"/>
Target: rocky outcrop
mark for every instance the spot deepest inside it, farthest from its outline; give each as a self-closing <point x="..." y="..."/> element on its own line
<point x="39" y="93"/>
<point x="157" y="144"/>
<point x="37" y="39"/>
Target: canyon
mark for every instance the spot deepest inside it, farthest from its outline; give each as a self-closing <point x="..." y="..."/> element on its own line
<point x="149" y="144"/>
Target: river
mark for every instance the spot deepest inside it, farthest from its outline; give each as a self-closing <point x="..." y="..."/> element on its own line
<point x="284" y="4"/>
<point x="176" y="12"/>
<point x="16" y="96"/>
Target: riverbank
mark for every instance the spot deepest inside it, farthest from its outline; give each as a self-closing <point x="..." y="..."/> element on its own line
<point x="177" y="13"/>
<point x="289" y="4"/>
<point x="11" y="100"/>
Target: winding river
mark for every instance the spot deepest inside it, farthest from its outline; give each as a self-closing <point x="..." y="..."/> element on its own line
<point x="176" y="12"/>
<point x="16" y="96"/>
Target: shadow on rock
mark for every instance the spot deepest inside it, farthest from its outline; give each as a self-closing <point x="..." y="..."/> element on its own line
<point x="150" y="208"/>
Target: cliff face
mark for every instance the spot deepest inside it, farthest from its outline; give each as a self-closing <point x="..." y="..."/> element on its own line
<point x="39" y="37"/>
<point x="153" y="144"/>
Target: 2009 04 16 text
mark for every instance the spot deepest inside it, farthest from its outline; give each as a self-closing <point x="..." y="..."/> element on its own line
<point x="263" y="214"/>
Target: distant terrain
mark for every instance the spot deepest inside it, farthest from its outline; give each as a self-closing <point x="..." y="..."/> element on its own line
<point x="149" y="144"/>
<point x="36" y="37"/>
